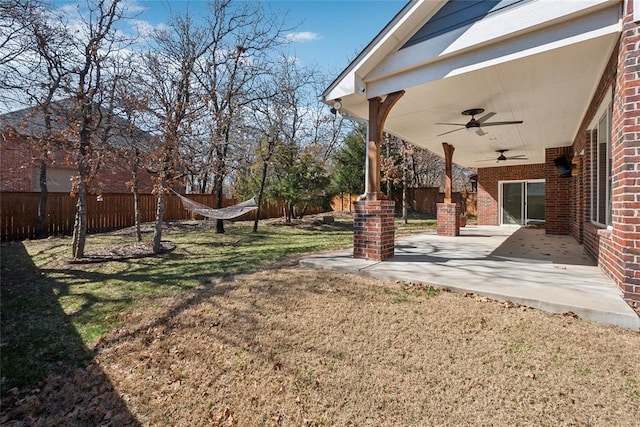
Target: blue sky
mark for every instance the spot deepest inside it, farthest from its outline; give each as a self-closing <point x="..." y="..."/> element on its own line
<point x="329" y="32"/>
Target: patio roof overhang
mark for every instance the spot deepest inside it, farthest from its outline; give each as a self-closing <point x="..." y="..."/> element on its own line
<point x="539" y="62"/>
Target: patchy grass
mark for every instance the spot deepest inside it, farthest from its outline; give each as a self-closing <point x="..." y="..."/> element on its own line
<point x="416" y="223"/>
<point x="226" y="330"/>
<point x="41" y="292"/>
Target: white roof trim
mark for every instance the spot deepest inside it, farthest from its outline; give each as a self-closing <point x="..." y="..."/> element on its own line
<point x="346" y="83"/>
<point x="527" y="17"/>
<point x="523" y="19"/>
<point x="564" y="34"/>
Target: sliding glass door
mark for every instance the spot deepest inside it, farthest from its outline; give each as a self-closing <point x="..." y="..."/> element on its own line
<point x="522" y="202"/>
<point x="512" y="206"/>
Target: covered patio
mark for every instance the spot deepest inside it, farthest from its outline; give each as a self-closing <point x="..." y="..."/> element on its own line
<point x="518" y="264"/>
<point x="541" y="98"/>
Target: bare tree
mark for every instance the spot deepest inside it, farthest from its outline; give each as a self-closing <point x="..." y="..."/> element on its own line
<point x="298" y="161"/>
<point x="15" y="34"/>
<point x="50" y="49"/>
<point x="266" y="150"/>
<point x="427" y="168"/>
<point x="134" y="149"/>
<point x="406" y="151"/>
<point x="390" y="164"/>
<point x="242" y="36"/>
<point x="168" y="79"/>
<point x="95" y="40"/>
<point x="33" y="57"/>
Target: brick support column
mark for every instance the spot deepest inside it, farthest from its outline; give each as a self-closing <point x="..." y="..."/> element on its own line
<point x="622" y="246"/>
<point x="373" y="229"/>
<point x="448" y="219"/>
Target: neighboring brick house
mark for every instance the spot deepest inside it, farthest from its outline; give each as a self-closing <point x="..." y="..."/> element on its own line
<point x="550" y="95"/>
<point x="20" y="159"/>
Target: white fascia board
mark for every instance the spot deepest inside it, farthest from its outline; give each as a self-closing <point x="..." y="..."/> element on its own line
<point x="495" y="28"/>
<point x="348" y="81"/>
<point x="340" y="89"/>
<point x="602" y="23"/>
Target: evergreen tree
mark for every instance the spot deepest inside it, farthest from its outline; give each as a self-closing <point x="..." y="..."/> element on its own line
<point x="349" y="163"/>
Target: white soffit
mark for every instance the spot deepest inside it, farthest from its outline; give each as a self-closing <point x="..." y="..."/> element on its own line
<point x="387" y="78"/>
<point x="549" y="91"/>
<point x="545" y="76"/>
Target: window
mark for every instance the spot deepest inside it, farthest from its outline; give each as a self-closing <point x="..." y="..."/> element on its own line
<point x="601" y="167"/>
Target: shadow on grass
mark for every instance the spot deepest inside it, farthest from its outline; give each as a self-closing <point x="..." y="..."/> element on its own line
<point x="45" y="364"/>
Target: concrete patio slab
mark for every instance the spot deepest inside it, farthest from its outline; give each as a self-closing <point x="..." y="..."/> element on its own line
<point x="522" y="265"/>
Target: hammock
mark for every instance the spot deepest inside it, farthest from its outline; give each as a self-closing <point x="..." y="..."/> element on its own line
<point x="229" y="212"/>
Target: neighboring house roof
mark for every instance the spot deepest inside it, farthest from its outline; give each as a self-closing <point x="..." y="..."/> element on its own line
<point x="30" y="122"/>
<point x="539" y="61"/>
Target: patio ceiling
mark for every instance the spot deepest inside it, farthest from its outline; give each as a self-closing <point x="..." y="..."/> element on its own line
<point x="544" y="74"/>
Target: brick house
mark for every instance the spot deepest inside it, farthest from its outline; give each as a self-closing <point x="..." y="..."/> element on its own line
<point x="542" y="97"/>
<point x="19" y="158"/>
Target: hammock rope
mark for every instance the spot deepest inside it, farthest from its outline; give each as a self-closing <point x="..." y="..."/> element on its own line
<point x="229" y="212"/>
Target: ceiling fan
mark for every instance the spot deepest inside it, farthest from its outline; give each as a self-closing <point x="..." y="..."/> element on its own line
<point x="475" y="125"/>
<point x="502" y="157"/>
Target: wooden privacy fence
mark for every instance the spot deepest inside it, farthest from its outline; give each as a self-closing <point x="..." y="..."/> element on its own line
<point x="112" y="211"/>
<point x="420" y="200"/>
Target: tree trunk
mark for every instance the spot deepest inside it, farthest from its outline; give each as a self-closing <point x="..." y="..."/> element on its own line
<point x="204" y="182"/>
<point x="289" y="213"/>
<point x="303" y="211"/>
<point x="80" y="224"/>
<point x="265" y="165"/>
<point x="405" y="171"/>
<point x="41" y="228"/>
<point x="157" y="234"/>
<point x="388" y="141"/>
<point x="136" y="200"/>
<point x="218" y="181"/>
<point x="219" y="222"/>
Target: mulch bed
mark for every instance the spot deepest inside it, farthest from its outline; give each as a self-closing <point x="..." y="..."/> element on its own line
<point x="122" y="252"/>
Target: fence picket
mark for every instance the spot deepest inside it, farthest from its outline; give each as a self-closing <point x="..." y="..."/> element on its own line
<point x="19" y="212"/>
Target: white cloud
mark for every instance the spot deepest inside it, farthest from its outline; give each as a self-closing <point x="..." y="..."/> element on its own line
<point x="132" y="6"/>
<point x="302" y="36"/>
<point x="145" y="29"/>
<point x="70" y="8"/>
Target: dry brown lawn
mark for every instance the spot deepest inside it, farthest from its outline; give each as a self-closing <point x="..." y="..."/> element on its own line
<point x="293" y="347"/>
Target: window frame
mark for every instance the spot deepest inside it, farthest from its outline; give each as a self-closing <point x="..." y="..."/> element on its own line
<point x="602" y="117"/>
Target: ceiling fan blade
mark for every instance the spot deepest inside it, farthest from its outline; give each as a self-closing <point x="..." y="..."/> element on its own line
<point x="516" y="122"/>
<point x="479" y="132"/>
<point x="452" y="124"/>
<point x="485" y="160"/>
<point x="486" y="117"/>
<point x="455" y="130"/>
<point x="518" y="157"/>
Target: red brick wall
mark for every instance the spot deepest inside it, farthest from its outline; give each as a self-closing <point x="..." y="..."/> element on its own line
<point x="558" y="193"/>
<point x="617" y="250"/>
<point x="16" y="165"/>
<point x="373" y="229"/>
<point x="488" y="187"/>
<point x="19" y="163"/>
<point x="582" y="229"/>
<point x="621" y="252"/>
